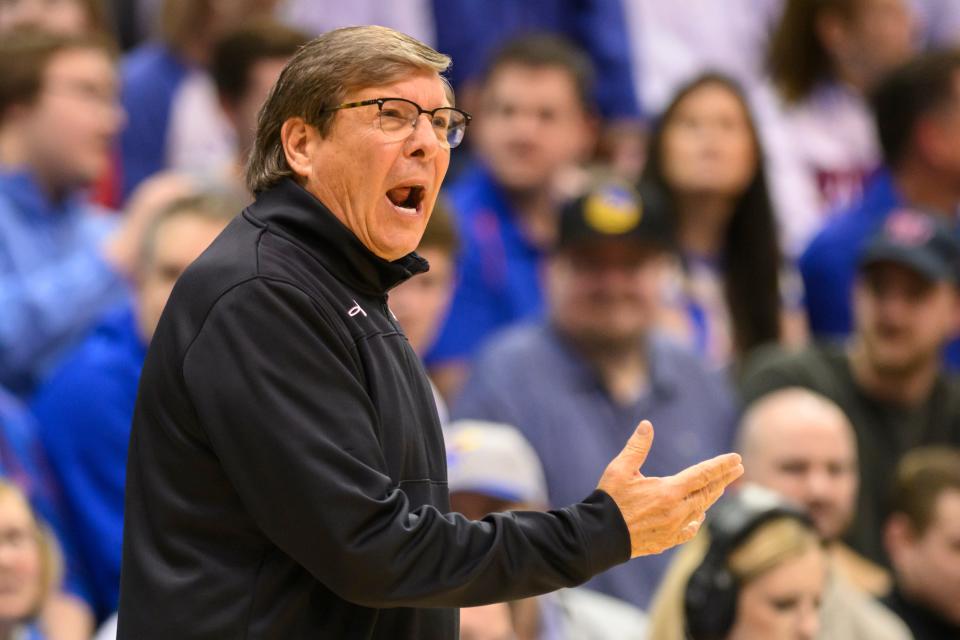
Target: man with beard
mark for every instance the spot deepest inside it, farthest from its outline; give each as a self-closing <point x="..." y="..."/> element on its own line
<point x="801" y="445"/>
<point x="888" y="378"/>
<point x="576" y="382"/>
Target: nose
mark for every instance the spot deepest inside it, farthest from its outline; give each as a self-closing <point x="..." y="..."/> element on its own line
<point x="809" y="623"/>
<point x="818" y="484"/>
<point x="423" y="142"/>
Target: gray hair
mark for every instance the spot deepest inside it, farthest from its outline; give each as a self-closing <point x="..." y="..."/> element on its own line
<point x="319" y="76"/>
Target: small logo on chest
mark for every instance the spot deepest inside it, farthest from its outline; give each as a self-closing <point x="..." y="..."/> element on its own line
<point x="356" y="310"/>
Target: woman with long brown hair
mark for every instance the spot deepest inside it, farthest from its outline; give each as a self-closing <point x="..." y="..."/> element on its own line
<point x="728" y="293"/>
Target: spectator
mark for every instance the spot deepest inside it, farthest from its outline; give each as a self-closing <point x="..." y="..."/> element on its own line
<point x="801" y="445"/>
<point x="66" y="615"/>
<point x="724" y="298"/>
<point x="534" y="121"/>
<point x="68" y="17"/>
<point x="922" y="537"/>
<point x="824" y="57"/>
<point x="86" y="407"/>
<point x="492" y="468"/>
<point x="470" y="32"/>
<point x="58" y="265"/>
<point x="888" y="379"/>
<point x="420" y="304"/>
<point x="169" y="98"/>
<point x="245" y="65"/>
<point x="576" y="383"/>
<point x="757" y="570"/>
<point x="917" y="111"/>
<point x="30" y="567"/>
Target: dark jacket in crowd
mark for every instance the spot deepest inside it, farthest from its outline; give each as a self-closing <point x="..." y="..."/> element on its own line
<point x="286" y="474"/>
<point x="924" y="623"/>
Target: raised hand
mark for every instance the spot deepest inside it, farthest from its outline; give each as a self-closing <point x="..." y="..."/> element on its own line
<point x="663" y="512"/>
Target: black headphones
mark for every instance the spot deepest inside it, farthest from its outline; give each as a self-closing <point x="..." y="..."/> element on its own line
<point x="710" y="601"/>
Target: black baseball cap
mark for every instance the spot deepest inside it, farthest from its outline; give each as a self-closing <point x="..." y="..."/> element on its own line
<point x="920" y="241"/>
<point x="615" y="211"/>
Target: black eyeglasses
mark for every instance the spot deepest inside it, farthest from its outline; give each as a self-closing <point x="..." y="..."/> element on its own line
<point x="399" y="117"/>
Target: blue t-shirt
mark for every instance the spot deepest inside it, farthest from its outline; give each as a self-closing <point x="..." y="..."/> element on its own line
<point x="530" y="377"/>
<point x="499" y="279"/>
<point x="85" y="411"/>
<point x="54" y="284"/>
<point x="828" y="266"/>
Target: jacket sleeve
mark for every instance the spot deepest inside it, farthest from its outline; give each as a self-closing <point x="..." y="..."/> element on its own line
<point x="281" y="398"/>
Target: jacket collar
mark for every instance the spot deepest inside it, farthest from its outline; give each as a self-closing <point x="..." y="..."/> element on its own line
<point x="293" y="212"/>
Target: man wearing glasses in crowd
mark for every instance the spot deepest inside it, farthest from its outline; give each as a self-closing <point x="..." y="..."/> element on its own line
<point x="286" y="472"/>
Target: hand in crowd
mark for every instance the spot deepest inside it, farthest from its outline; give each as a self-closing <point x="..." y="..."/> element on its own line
<point x="663" y="512"/>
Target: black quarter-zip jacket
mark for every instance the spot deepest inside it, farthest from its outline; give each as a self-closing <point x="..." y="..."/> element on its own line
<point x="286" y="474"/>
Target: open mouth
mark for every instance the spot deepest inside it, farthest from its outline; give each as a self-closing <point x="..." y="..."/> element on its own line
<point x="407" y="199"/>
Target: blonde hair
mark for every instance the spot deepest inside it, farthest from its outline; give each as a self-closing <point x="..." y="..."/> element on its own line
<point x="318" y="78"/>
<point x="770" y="545"/>
<point x="51" y="558"/>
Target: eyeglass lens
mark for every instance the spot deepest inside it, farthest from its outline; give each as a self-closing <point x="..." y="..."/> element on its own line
<point x="400" y="117"/>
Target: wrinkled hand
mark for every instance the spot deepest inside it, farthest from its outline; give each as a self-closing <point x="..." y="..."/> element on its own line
<point x="663" y="512"/>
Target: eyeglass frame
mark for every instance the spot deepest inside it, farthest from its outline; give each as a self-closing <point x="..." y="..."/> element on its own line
<point x="420" y="111"/>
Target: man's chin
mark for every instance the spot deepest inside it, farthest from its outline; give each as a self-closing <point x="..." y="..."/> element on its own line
<point x="896" y="365"/>
<point x="606" y="342"/>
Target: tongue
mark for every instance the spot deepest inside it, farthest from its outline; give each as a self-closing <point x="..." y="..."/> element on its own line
<point x="399" y="195"/>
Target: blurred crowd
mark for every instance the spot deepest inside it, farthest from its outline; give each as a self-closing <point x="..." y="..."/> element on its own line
<point x="737" y="219"/>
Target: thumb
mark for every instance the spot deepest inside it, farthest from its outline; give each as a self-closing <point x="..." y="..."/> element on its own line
<point x="638" y="446"/>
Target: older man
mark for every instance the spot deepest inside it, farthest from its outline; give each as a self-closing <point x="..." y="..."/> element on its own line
<point x="286" y="472"/>
<point x="800" y="444"/>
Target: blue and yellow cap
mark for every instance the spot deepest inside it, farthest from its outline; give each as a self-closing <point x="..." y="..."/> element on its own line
<point x="613" y="211"/>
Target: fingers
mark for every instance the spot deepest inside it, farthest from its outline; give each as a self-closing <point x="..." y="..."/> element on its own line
<point x="704" y="473"/>
<point x="638" y="446"/>
<point x="699" y="501"/>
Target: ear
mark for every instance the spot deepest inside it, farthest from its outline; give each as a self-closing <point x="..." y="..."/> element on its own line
<point x="898" y="537"/>
<point x="297" y="138"/>
<point x="831" y="29"/>
<point x="592" y="126"/>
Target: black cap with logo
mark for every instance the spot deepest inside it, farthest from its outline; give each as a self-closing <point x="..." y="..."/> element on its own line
<point x="615" y="211"/>
<point x="920" y="241"/>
